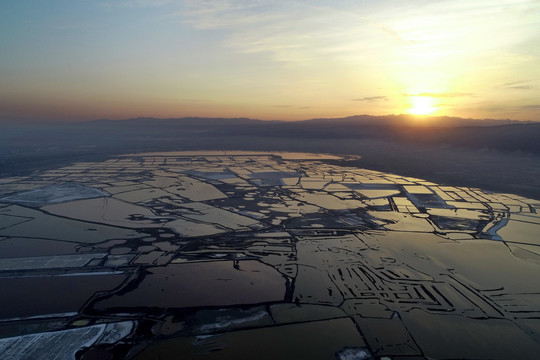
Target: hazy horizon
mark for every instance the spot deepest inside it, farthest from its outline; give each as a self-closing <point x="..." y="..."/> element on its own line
<point x="416" y="119"/>
<point x="74" y="60"/>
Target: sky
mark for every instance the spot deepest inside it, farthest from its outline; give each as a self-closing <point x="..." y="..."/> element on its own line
<point x="285" y="60"/>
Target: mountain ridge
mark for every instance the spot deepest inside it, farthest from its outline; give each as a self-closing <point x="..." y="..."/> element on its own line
<point x="364" y="119"/>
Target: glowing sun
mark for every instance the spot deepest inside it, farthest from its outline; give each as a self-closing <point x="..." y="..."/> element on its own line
<point x="422" y="106"/>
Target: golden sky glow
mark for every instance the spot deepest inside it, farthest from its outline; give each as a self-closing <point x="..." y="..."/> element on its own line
<point x="269" y="59"/>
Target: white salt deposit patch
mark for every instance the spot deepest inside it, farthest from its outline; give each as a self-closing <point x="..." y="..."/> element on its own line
<point x="62" y="345"/>
<point x="53" y="194"/>
<point x="48" y="262"/>
<point x="354" y="354"/>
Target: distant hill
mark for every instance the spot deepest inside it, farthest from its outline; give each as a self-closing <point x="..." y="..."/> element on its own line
<point x="412" y="120"/>
<point x="371" y="120"/>
<point x="385" y="120"/>
<point x="503" y="135"/>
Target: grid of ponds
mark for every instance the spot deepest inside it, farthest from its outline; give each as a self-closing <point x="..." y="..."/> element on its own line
<point x="212" y="255"/>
